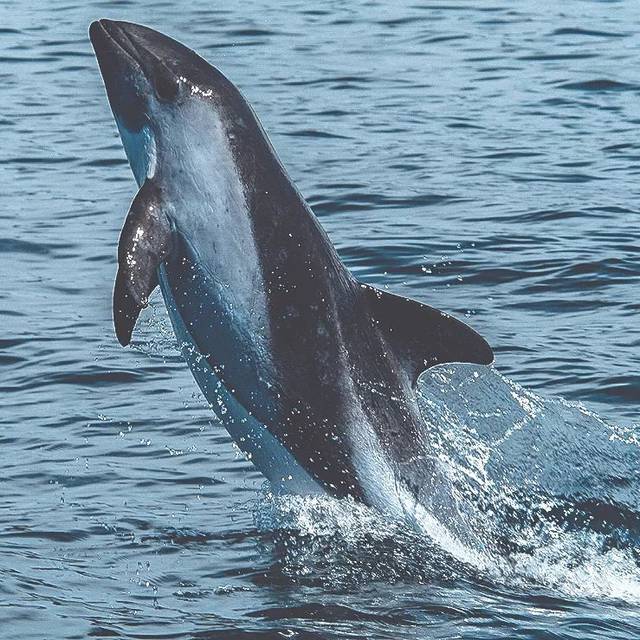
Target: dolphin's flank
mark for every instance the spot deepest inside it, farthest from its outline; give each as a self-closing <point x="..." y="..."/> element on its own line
<point x="312" y="372"/>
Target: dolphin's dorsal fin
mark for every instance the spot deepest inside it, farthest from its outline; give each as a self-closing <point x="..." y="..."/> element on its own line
<point x="145" y="242"/>
<point x="420" y="336"/>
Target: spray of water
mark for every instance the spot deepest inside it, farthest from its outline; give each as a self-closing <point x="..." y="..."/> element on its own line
<point x="528" y="491"/>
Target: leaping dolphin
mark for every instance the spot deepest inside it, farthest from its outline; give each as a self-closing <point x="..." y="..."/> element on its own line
<point x="312" y="372"/>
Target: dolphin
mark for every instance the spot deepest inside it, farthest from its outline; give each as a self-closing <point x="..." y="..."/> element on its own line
<point x="312" y="372"/>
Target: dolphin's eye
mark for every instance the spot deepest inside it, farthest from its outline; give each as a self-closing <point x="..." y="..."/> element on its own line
<point x="166" y="86"/>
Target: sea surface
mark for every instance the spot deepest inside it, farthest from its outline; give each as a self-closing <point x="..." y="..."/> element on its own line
<point x="483" y="157"/>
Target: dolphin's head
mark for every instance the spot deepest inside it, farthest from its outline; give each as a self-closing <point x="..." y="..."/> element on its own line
<point x="154" y="82"/>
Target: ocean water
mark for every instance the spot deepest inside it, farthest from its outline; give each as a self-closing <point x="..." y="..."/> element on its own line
<point x="481" y="157"/>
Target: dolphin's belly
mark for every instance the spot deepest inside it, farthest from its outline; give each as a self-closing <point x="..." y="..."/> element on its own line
<point x="266" y="452"/>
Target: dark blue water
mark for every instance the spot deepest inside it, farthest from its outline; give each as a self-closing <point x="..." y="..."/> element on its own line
<point x="479" y="157"/>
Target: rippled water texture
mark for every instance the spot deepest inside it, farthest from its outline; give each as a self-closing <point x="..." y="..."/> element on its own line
<point x="478" y="157"/>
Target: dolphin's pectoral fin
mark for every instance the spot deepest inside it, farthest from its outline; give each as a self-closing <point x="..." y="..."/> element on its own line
<point x="421" y="336"/>
<point x="145" y="242"/>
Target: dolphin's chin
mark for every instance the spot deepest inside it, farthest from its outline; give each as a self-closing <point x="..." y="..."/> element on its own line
<point x="141" y="149"/>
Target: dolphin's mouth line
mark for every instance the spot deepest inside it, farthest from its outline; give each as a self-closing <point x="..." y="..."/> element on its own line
<point x="123" y="43"/>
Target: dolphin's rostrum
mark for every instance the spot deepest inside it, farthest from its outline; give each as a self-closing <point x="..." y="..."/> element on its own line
<point x="312" y="372"/>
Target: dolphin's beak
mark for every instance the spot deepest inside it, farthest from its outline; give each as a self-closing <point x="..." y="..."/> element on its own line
<point x="135" y="63"/>
<point x="122" y="72"/>
<point x="106" y="35"/>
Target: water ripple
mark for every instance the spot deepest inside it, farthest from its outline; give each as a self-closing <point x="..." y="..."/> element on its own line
<point x="481" y="157"/>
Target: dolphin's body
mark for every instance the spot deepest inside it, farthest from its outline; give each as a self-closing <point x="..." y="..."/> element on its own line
<point x="312" y="372"/>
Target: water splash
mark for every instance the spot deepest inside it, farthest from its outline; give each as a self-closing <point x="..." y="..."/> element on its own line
<point x="341" y="544"/>
<point x="154" y="336"/>
<point x="529" y="490"/>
